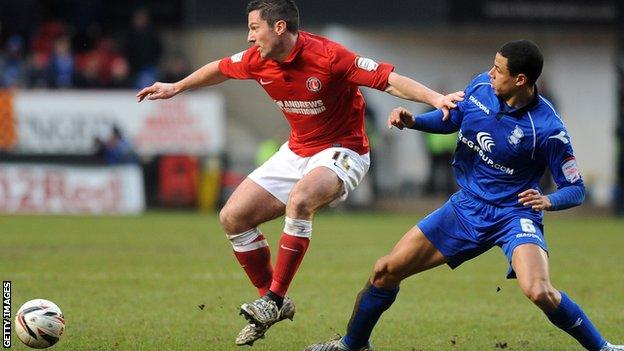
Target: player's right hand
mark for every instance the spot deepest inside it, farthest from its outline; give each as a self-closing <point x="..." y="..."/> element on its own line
<point x="448" y="102"/>
<point x="157" y="91"/>
<point x="401" y="118"/>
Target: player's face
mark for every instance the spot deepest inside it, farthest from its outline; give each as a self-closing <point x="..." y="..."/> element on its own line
<point x="503" y="82"/>
<point x="261" y="34"/>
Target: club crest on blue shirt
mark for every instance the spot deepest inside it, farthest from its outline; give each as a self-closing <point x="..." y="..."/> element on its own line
<point x="516" y="136"/>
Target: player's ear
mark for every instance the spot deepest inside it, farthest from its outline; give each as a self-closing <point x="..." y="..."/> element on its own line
<point x="280" y="27"/>
<point x="521" y="79"/>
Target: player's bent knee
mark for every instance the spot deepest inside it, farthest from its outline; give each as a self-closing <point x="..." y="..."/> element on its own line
<point x="543" y="296"/>
<point x="231" y="221"/>
<point x="384" y="276"/>
<point x="300" y="204"/>
<point x="226" y="220"/>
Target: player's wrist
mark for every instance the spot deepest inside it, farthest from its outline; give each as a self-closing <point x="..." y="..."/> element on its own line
<point x="177" y="87"/>
<point x="437" y="100"/>
<point x="547" y="203"/>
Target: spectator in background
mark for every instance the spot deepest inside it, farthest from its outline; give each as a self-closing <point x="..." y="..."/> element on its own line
<point x="176" y="68"/>
<point x="12" y="64"/>
<point x="103" y="67"/>
<point x="266" y="149"/>
<point x="119" y="73"/>
<point x="42" y="46"/>
<point x="440" y="148"/>
<point x="61" y="74"/>
<point x="38" y="67"/>
<point x="87" y="70"/>
<point x="116" y="149"/>
<point x="143" y="49"/>
<point x="373" y="138"/>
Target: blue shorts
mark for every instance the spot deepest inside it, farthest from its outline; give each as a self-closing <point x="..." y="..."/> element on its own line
<point x="465" y="227"/>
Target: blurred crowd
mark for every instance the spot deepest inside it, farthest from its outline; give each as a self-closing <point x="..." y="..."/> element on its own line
<point x="56" y="55"/>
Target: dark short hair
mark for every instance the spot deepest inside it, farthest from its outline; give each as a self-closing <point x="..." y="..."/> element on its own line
<point x="275" y="10"/>
<point x="523" y="56"/>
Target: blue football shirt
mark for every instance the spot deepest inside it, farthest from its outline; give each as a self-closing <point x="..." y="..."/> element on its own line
<point x="502" y="151"/>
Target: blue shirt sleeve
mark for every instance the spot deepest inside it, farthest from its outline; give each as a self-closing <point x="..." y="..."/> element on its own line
<point x="567" y="197"/>
<point x="558" y="154"/>
<point x="431" y="122"/>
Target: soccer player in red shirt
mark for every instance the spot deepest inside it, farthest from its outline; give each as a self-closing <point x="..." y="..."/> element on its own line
<point x="314" y="81"/>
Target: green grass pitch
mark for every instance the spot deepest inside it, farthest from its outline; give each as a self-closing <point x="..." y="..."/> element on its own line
<point x="135" y="283"/>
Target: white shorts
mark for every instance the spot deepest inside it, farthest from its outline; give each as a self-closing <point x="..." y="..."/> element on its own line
<point x="279" y="174"/>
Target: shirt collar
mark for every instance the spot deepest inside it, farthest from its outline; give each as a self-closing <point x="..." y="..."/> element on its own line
<point x="296" y="49"/>
<point x="519" y="111"/>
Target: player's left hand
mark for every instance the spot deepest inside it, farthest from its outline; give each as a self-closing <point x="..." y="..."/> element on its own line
<point x="533" y="198"/>
<point x="448" y="102"/>
<point x="401" y="118"/>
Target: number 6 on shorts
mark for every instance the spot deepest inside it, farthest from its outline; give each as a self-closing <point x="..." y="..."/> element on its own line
<point x="527" y="225"/>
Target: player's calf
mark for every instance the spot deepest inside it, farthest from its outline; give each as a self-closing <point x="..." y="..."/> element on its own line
<point x="252" y="252"/>
<point x="569" y="317"/>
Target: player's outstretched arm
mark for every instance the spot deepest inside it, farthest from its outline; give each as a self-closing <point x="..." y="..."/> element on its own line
<point x="409" y="89"/>
<point x="429" y="122"/>
<point x="209" y="74"/>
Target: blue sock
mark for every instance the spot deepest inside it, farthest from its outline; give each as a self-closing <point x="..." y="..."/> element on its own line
<point x="570" y="318"/>
<point x="370" y="304"/>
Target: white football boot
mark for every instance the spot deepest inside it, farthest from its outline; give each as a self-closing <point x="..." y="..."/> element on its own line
<point x="262" y="314"/>
<point x="335" y="344"/>
<point x="609" y="347"/>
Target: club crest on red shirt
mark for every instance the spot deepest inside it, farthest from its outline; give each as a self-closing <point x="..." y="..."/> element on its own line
<point x="313" y="84"/>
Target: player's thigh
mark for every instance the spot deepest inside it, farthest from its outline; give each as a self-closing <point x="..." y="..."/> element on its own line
<point x="530" y="262"/>
<point x="414" y="253"/>
<point x="348" y="166"/>
<point x="248" y="206"/>
<point x="520" y="230"/>
<point x="316" y="189"/>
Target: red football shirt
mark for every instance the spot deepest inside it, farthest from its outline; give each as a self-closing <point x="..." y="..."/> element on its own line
<point x="316" y="88"/>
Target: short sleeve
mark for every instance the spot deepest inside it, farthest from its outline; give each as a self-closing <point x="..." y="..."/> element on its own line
<point x="359" y="70"/>
<point x="236" y="66"/>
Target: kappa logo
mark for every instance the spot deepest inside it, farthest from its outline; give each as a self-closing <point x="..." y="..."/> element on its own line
<point x="314" y="85"/>
<point x="561" y="136"/>
<point x="485" y="141"/>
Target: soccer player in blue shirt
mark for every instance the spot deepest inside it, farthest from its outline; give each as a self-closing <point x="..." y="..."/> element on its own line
<point x="507" y="135"/>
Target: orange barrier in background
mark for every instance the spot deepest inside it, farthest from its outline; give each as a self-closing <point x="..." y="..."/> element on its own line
<point x="8" y="134"/>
